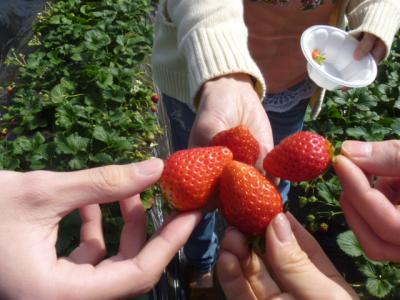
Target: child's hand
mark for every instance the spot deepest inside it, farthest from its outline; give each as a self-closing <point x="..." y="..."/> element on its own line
<point x="369" y="43"/>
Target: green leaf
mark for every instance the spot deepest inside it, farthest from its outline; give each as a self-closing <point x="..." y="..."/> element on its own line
<point x="8" y="163"/>
<point x="348" y="243"/>
<point x="101" y="158"/>
<point x="77" y="163"/>
<point x="99" y="133"/>
<point x="397" y="104"/>
<point x="57" y="94"/>
<point x="96" y="39"/>
<point x="396" y="125"/>
<point x="356" y="132"/>
<point x="38" y="140"/>
<point x="37" y="162"/>
<point x="71" y="144"/>
<point x="378" y="288"/>
<point x="368" y="270"/>
<point x="22" y="145"/>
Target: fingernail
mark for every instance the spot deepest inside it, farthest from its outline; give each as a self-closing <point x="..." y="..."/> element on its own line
<point x="356" y="149"/>
<point x="282" y="228"/>
<point x="149" y="167"/>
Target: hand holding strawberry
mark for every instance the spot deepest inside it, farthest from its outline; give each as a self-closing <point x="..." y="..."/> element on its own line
<point x="226" y="102"/>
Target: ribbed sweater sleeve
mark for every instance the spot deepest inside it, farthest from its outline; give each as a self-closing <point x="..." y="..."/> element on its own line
<point x="212" y="36"/>
<point x="378" y="17"/>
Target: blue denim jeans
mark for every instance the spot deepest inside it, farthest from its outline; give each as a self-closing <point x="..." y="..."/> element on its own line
<point x="201" y="250"/>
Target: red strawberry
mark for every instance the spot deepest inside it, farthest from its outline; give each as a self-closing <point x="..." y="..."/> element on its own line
<point x="240" y="141"/>
<point x="302" y="156"/>
<point x="155" y="98"/>
<point x="247" y="199"/>
<point x="191" y="176"/>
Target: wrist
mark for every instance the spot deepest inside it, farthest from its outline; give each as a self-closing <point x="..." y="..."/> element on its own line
<point x="242" y="78"/>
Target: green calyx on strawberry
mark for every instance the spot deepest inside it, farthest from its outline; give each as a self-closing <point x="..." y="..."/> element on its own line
<point x="247" y="199"/>
<point x="190" y="177"/>
<point x="241" y="142"/>
<point x="302" y="156"/>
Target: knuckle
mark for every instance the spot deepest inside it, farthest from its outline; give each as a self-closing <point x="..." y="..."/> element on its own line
<point x="149" y="284"/>
<point x="108" y="178"/>
<point x="295" y="261"/>
<point x="149" y="279"/>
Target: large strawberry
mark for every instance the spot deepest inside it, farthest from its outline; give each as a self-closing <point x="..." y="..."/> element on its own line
<point x="191" y="176"/>
<point x="241" y="142"/>
<point x="247" y="199"/>
<point x="302" y="156"/>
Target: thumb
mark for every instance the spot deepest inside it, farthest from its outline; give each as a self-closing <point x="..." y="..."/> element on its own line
<point x="299" y="263"/>
<point x="377" y="158"/>
<point x="72" y="190"/>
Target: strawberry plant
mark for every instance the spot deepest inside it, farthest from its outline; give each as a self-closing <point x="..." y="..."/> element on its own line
<point x="371" y="114"/>
<point x="81" y="98"/>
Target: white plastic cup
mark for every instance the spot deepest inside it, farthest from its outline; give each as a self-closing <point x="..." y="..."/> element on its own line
<point x="339" y="69"/>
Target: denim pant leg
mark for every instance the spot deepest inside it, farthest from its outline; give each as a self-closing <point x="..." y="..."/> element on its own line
<point x="284" y="124"/>
<point x="201" y="249"/>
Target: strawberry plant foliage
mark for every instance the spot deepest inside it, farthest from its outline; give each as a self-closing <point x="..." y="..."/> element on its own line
<point x="81" y="98"/>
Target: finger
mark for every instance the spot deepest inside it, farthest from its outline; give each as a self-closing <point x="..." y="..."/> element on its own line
<point x="377" y="158"/>
<point x="379" y="51"/>
<point x="301" y="268"/>
<point x="231" y="278"/>
<point x="99" y="185"/>
<point x="207" y="124"/>
<point x="130" y="277"/>
<point x="253" y="269"/>
<point x="311" y="247"/>
<point x="236" y="243"/>
<point x="258" y="122"/>
<point x="133" y="235"/>
<point x="374" y="247"/>
<point x="92" y="247"/>
<point x="381" y="215"/>
<point x="143" y="271"/>
<point x="390" y="187"/>
<point x="365" y="46"/>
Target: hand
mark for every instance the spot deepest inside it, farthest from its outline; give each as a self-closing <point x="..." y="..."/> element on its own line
<point x="369" y="43"/>
<point x="372" y="208"/>
<point x="226" y="102"/>
<point x="31" y="207"/>
<point x="295" y="266"/>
